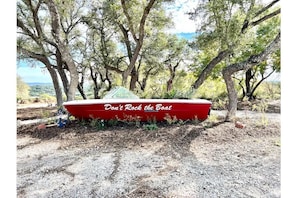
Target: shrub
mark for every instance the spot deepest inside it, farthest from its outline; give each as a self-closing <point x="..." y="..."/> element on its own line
<point x="214" y="89"/>
<point x="47" y="98"/>
<point x="23" y="90"/>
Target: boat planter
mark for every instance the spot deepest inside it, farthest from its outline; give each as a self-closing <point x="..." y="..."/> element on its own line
<point x="139" y="109"/>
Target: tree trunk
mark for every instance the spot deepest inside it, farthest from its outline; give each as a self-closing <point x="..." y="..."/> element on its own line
<point x="96" y="92"/>
<point x="94" y="76"/>
<point x="247" y="64"/>
<point x="63" y="49"/>
<point x="138" y="40"/>
<point x="134" y="79"/>
<point x="172" y="71"/>
<point x="248" y="78"/>
<point x="147" y="73"/>
<point x="73" y="73"/>
<point x="81" y="91"/>
<point x="232" y="96"/>
<point x="54" y="77"/>
<point x="61" y="71"/>
<point x="58" y="91"/>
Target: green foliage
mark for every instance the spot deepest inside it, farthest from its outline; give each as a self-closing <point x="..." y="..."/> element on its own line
<point x="83" y="122"/>
<point x="112" y="122"/>
<point x="46" y="98"/>
<point x="219" y="104"/>
<point x="150" y="127"/>
<point x="214" y="89"/>
<point x="170" y="119"/>
<point x="156" y="86"/>
<point x="211" y="120"/>
<point x="170" y="95"/>
<point x="276" y="61"/>
<point x="232" y="25"/>
<point x="97" y="124"/>
<point x="130" y="120"/>
<point x="23" y="89"/>
<point x="269" y="90"/>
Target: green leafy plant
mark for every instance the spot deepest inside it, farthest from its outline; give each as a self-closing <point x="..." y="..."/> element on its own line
<point x="99" y="124"/>
<point x="112" y="122"/>
<point x="151" y="124"/>
<point x="150" y="127"/>
<point x="131" y="120"/>
<point x="219" y="104"/>
<point x="211" y="120"/>
<point x="196" y="120"/>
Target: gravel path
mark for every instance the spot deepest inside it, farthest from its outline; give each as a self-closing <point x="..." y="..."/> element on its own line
<point x="174" y="161"/>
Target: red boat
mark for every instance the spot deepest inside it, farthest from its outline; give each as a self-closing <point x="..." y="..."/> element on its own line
<point x="140" y="109"/>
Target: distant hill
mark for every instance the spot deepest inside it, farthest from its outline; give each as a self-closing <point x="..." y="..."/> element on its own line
<point x="39" y="83"/>
<point x="37" y="89"/>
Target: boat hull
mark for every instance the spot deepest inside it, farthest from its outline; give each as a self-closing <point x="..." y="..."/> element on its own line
<point x="140" y="109"/>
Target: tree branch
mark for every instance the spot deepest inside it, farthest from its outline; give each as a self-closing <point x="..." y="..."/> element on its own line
<point x="209" y="67"/>
<point x="266" y="17"/>
<point x="266" y="8"/>
<point x="55" y="20"/>
<point x="130" y="23"/>
<point x="254" y="59"/>
<point x="247" y="22"/>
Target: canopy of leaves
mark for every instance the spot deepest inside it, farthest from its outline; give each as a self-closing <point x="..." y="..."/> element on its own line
<point x="102" y="38"/>
<point x="221" y="25"/>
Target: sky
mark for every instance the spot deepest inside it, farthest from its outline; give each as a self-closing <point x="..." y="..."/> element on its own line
<point x="33" y="74"/>
<point x="182" y="22"/>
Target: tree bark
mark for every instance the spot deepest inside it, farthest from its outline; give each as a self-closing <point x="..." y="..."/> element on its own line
<point x="134" y="79"/>
<point x="232" y="96"/>
<point x="172" y="71"/>
<point x="81" y="91"/>
<point x="247" y="64"/>
<point x="63" y="49"/>
<point x="248" y="78"/>
<point x="147" y="73"/>
<point x="61" y="71"/>
<point x="139" y="40"/>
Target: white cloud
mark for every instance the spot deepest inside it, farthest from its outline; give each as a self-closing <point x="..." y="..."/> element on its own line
<point x="182" y="22"/>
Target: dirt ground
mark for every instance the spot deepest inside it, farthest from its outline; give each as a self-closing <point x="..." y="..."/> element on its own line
<point x="208" y="159"/>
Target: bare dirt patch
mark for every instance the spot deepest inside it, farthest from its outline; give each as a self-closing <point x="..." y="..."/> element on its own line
<point x="30" y="113"/>
<point x="209" y="159"/>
